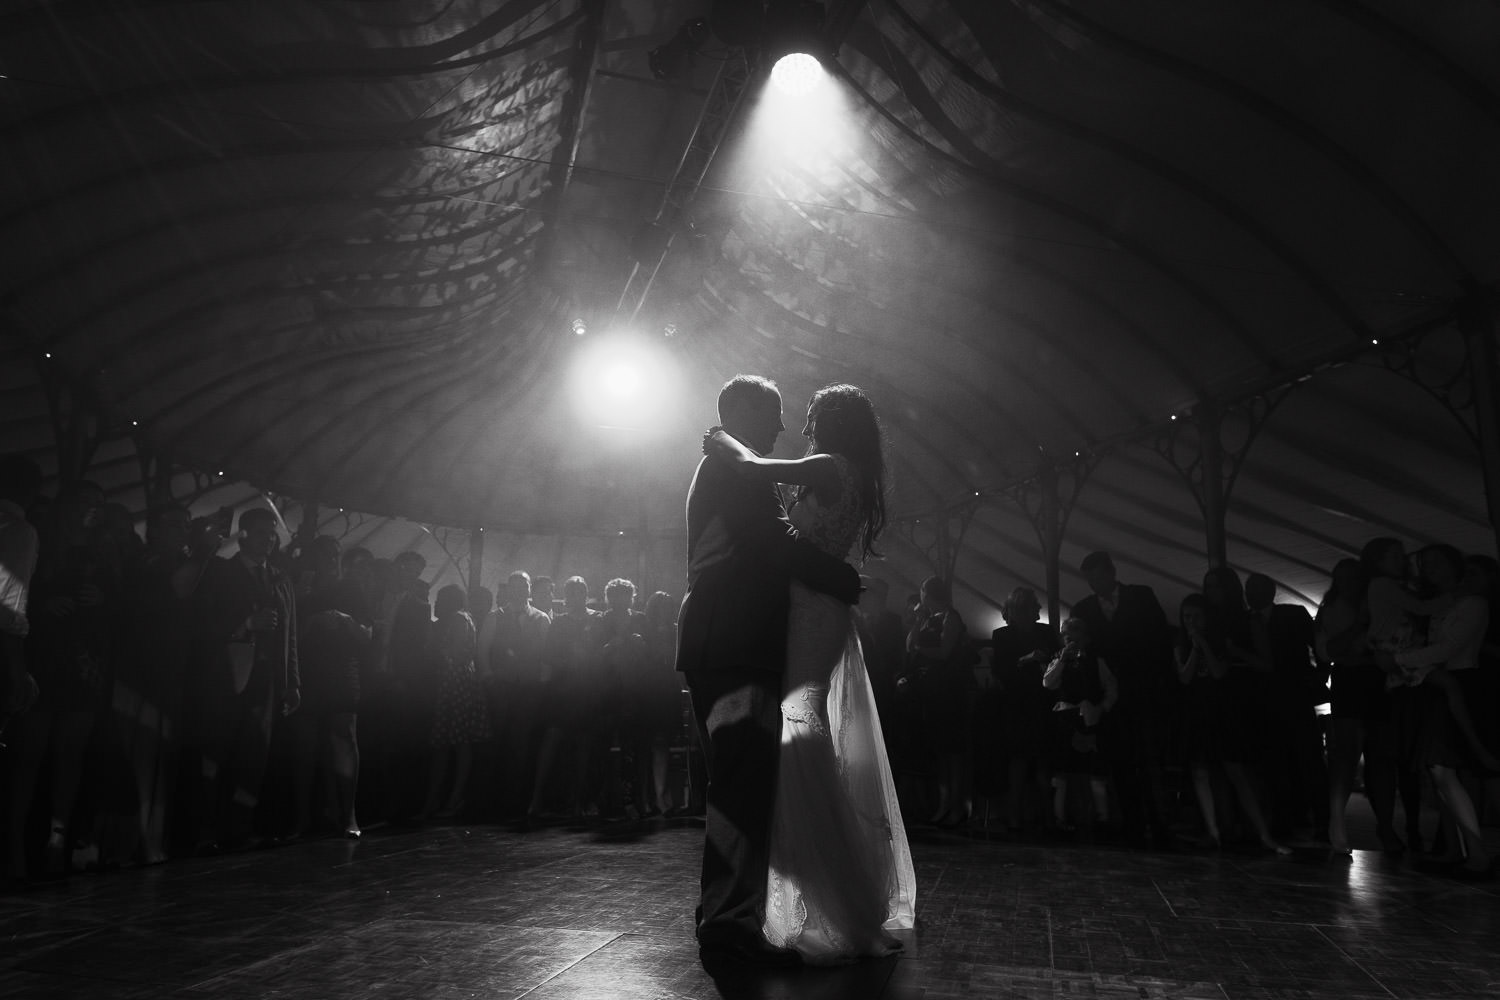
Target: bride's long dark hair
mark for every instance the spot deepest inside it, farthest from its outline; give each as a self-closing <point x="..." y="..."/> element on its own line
<point x="844" y="423"/>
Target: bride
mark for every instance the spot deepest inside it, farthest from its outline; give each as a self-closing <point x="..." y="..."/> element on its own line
<point x="841" y="871"/>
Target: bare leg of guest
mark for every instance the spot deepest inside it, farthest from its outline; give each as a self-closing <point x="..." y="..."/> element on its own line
<point x="464" y="753"/>
<point x="1203" y="791"/>
<point x="1343" y="757"/>
<point x="1458" y="711"/>
<point x="1099" y="789"/>
<point x="1245" y="790"/>
<point x="70" y="739"/>
<point x="1060" y="802"/>
<point x="659" y="760"/>
<point x="1460" y="808"/>
<point x="344" y="768"/>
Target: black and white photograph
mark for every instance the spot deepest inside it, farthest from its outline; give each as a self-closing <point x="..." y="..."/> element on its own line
<point x="749" y="499"/>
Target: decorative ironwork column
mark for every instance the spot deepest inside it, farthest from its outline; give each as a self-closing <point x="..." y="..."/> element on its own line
<point x="1478" y="319"/>
<point x="933" y="534"/>
<point x="1209" y="457"/>
<point x="476" y="561"/>
<point x="77" y="427"/>
<point x="1047" y="500"/>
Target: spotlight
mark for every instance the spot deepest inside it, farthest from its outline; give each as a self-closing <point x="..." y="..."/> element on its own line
<point x="579" y="328"/>
<point x="795" y="44"/>
<point x="674" y="58"/>
<point x="797" y="74"/>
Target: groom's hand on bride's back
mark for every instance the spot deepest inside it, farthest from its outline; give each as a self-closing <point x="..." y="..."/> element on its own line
<point x="823" y="572"/>
<point x="849" y="587"/>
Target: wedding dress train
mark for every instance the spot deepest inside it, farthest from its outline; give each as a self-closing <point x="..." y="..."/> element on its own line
<point x="841" y="875"/>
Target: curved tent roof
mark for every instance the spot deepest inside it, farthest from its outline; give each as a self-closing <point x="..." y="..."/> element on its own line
<point x="338" y="250"/>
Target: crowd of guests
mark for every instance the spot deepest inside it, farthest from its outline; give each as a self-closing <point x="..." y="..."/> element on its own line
<point x="160" y="699"/>
<point x="1252" y="714"/>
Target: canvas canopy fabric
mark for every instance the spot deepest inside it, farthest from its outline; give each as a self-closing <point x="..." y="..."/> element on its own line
<point x="337" y="252"/>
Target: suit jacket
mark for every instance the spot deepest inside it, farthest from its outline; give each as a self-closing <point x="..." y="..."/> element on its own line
<point x="1136" y="642"/>
<point x="743" y="554"/>
<point x="228" y="595"/>
<point x="1290" y="635"/>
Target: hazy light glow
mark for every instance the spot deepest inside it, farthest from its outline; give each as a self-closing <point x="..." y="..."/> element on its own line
<point x="625" y="381"/>
<point x="797" y="74"/>
<point x="622" y="381"/>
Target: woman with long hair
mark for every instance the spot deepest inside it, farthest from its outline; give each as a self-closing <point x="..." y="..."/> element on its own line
<point x="841" y="872"/>
<point x="1215" y="735"/>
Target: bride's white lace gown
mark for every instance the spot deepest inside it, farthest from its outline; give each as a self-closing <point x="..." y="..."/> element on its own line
<point x="841" y="870"/>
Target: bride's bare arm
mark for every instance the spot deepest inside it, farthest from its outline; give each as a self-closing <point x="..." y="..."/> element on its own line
<point x="817" y="472"/>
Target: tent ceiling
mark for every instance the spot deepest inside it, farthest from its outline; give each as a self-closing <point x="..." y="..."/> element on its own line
<point x="335" y="249"/>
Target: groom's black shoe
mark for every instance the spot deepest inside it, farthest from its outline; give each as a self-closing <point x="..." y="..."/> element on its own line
<point x="746" y="951"/>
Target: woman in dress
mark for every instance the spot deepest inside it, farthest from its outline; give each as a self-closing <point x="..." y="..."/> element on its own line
<point x="1024" y="647"/>
<point x="1224" y="655"/>
<point x="1448" y="670"/>
<point x="841" y="871"/>
<point x="1086" y="691"/>
<point x="1214" y="740"/>
<point x="940" y="662"/>
<point x="462" y="719"/>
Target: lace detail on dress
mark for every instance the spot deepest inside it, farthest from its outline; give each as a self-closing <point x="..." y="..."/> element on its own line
<point x="807" y="706"/>
<point x="834" y="528"/>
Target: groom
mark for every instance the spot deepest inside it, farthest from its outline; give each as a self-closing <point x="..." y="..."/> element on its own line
<point x="742" y="555"/>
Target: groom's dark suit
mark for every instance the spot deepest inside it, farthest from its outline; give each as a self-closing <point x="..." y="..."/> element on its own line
<point x="732" y="634"/>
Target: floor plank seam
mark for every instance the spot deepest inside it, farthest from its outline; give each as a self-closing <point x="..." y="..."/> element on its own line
<point x="572" y="965"/>
<point x="1352" y="960"/>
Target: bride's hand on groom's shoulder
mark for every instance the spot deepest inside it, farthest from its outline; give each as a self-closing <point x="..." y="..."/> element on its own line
<point x="711" y="444"/>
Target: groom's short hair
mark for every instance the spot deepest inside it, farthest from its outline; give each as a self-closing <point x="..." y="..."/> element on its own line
<point x="743" y="390"/>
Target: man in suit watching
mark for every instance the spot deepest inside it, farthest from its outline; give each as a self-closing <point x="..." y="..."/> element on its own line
<point x="732" y="635"/>
<point x="1132" y="635"/>
<point x="247" y="611"/>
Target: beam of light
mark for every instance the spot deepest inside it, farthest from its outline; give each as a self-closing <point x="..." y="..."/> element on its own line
<point x="809" y="130"/>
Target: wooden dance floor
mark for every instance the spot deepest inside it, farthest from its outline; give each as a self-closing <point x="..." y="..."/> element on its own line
<point x="481" y="912"/>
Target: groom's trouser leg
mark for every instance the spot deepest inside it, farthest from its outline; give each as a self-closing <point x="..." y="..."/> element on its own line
<point x="739" y="721"/>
